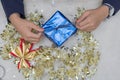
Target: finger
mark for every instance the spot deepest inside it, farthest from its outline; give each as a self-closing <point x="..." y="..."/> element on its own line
<point x="33" y="40"/>
<point x="85" y="27"/>
<point x="83" y="16"/>
<point x="83" y="23"/>
<point x="34" y="36"/>
<point x="37" y="28"/>
<point x="89" y="30"/>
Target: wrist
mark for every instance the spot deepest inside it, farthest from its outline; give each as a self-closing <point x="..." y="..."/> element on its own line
<point x="14" y="17"/>
<point x="111" y="9"/>
<point x="104" y="10"/>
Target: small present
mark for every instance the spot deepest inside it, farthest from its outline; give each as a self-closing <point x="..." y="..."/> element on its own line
<point x="58" y="28"/>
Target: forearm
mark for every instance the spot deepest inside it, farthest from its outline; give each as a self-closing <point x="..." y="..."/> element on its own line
<point x="13" y="6"/>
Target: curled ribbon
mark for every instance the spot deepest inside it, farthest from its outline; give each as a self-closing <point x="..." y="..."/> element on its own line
<point x="24" y="53"/>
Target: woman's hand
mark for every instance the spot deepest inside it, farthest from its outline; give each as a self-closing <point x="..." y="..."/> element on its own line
<point x="25" y="27"/>
<point x="91" y="19"/>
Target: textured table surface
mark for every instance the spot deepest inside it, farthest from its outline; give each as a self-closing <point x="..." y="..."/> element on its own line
<point x="107" y="34"/>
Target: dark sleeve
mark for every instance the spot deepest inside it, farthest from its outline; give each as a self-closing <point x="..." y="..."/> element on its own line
<point x="114" y="3"/>
<point x="13" y="6"/>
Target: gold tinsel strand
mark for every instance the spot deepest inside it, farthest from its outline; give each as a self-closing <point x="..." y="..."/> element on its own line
<point x="78" y="62"/>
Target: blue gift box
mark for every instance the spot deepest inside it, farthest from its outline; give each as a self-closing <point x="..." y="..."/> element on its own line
<point x="58" y="28"/>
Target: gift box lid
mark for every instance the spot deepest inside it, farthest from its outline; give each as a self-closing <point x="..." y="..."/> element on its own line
<point x="58" y="28"/>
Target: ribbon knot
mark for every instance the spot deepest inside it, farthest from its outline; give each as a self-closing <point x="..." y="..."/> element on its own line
<point x="24" y="53"/>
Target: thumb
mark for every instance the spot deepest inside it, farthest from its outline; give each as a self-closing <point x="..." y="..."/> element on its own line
<point x="83" y="16"/>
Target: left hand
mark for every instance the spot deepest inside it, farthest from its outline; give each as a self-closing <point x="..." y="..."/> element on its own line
<point x="91" y="19"/>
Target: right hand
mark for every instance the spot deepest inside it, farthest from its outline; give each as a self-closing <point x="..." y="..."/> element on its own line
<point x="25" y="27"/>
<point x="91" y="19"/>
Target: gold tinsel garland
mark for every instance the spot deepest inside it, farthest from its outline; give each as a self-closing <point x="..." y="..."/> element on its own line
<point x="63" y="63"/>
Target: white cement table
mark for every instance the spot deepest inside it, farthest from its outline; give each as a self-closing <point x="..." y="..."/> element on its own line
<point x="108" y="35"/>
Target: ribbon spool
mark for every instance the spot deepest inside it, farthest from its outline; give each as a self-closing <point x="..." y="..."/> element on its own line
<point x="2" y="72"/>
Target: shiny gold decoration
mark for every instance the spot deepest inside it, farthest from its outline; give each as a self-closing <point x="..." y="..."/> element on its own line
<point x="78" y="62"/>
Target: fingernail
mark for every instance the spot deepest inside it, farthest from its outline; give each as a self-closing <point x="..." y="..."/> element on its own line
<point x="40" y="31"/>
